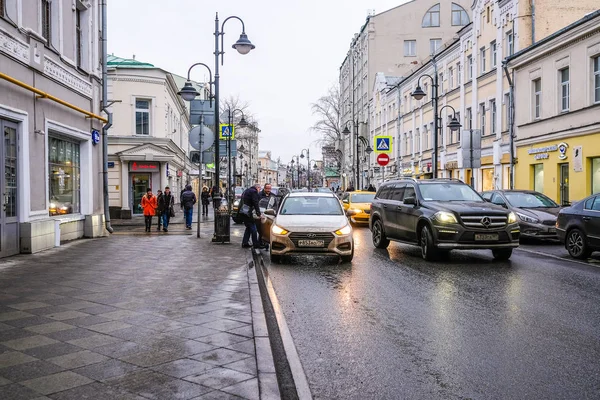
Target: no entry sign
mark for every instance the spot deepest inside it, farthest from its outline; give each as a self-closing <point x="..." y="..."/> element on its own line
<point x="383" y="159"/>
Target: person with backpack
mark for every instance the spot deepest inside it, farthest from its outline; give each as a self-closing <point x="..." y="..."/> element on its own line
<point x="149" y="206"/>
<point x="249" y="203"/>
<point x="165" y="206"/>
<point x="188" y="199"/>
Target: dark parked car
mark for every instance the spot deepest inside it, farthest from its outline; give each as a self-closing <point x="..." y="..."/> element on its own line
<point x="535" y="211"/>
<point x="578" y="227"/>
<point x="440" y="215"/>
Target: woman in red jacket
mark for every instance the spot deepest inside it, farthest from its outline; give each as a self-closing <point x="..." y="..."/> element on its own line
<point x="149" y="205"/>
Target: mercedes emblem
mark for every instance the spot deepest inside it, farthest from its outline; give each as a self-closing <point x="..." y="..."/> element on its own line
<point x="486" y="221"/>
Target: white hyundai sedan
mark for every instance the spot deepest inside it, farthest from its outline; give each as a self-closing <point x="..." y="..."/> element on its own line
<point x="308" y="223"/>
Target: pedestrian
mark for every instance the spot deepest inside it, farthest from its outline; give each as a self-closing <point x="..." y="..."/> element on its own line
<point x="165" y="205"/>
<point x="181" y="195"/>
<point x="188" y="199"/>
<point x="159" y="211"/>
<point x="249" y="203"/>
<point x="149" y="206"/>
<point x="371" y="188"/>
<point x="266" y="192"/>
<point x="205" y="198"/>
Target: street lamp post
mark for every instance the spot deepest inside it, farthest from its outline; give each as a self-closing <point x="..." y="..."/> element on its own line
<point x="358" y="140"/>
<point x="308" y="163"/>
<point x="368" y="150"/>
<point x="454" y="125"/>
<point x="241" y="124"/>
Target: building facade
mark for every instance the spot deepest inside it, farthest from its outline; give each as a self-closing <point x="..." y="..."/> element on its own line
<point x="50" y="157"/>
<point x="268" y="169"/>
<point x="557" y="118"/>
<point x="148" y="142"/>
<point x="248" y="156"/>
<point x="392" y="42"/>
<point x="472" y="81"/>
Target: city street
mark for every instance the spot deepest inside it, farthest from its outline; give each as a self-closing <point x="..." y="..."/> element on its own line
<point x="390" y="325"/>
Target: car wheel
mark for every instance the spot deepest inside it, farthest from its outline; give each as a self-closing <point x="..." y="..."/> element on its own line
<point x="427" y="247"/>
<point x="502" y="254"/>
<point x="379" y="239"/>
<point x="347" y="259"/>
<point x="576" y="244"/>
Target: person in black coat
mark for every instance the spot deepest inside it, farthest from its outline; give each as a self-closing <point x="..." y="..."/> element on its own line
<point x="165" y="207"/>
<point x="205" y="197"/>
<point x="251" y="198"/>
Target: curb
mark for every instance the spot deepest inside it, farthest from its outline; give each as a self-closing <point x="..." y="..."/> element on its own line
<point x="291" y="377"/>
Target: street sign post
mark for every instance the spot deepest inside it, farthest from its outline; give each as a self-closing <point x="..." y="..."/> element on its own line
<point x="383" y="159"/>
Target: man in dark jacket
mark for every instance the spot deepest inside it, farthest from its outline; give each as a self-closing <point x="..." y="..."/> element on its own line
<point x="251" y="198"/>
<point x="188" y="199"/>
<point x="266" y="192"/>
<point x="165" y="205"/>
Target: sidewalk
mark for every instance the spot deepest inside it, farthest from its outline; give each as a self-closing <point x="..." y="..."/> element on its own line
<point x="131" y="317"/>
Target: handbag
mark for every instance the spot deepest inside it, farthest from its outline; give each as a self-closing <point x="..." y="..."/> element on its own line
<point x="245" y="210"/>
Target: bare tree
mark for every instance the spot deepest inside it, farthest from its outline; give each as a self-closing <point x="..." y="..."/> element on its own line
<point x="328" y="111"/>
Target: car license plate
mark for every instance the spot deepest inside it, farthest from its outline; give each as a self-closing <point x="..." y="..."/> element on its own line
<point x="552" y="230"/>
<point x="311" y="243"/>
<point x="486" y="236"/>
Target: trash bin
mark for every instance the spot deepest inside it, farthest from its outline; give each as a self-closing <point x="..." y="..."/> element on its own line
<point x="222" y="221"/>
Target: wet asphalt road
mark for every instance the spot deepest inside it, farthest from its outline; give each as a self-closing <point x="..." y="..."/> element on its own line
<point x="392" y="326"/>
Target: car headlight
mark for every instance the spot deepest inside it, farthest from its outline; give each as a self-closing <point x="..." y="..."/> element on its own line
<point x="236" y="203"/>
<point x="52" y="205"/>
<point x="356" y="210"/>
<point x="512" y="218"/>
<point x="344" y="231"/>
<point x="278" y="230"/>
<point x="445" y="217"/>
<point x="523" y="217"/>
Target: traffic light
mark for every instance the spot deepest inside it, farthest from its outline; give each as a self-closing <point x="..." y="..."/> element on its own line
<point x="195" y="157"/>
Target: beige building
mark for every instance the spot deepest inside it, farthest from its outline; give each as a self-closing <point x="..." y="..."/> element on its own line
<point x="392" y="42"/>
<point x="148" y="143"/>
<point x="268" y="169"/>
<point x="248" y="157"/>
<point x="51" y="152"/>
<point x="472" y="81"/>
<point x="557" y="118"/>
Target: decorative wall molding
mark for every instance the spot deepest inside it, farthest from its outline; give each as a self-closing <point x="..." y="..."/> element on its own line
<point x="14" y="47"/>
<point x="61" y="74"/>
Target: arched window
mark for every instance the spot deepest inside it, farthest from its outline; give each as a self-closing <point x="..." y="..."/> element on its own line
<point x="432" y="17"/>
<point x="459" y="15"/>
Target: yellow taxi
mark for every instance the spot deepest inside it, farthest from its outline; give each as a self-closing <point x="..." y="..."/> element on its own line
<point x="360" y="203"/>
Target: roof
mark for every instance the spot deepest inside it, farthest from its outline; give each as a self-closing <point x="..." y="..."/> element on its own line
<point x="119" y="62"/>
<point x="588" y="17"/>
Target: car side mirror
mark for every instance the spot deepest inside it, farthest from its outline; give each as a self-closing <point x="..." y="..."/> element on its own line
<point x="487" y="200"/>
<point x="271" y="212"/>
<point x="410" y="201"/>
<point x="350" y="213"/>
<point x="345" y="201"/>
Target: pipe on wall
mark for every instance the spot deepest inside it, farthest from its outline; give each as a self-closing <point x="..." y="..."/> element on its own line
<point x="108" y="124"/>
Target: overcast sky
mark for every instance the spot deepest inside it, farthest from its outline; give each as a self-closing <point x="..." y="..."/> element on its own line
<point x="300" y="45"/>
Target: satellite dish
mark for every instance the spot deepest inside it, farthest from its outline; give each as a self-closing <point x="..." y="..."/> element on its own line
<point x="208" y="137"/>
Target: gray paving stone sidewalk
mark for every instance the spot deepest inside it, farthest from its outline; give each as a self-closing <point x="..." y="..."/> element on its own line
<point x="133" y="317"/>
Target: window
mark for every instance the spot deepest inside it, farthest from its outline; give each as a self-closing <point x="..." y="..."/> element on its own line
<point x="2" y="5"/>
<point x="142" y="117"/>
<point x="441" y="81"/>
<point x="482" y="59"/>
<point x="538" y="178"/>
<point x="426" y="138"/>
<point x="410" y="48"/>
<point x="595" y="175"/>
<point x="397" y="193"/>
<point x="596" y="62"/>
<point x="510" y="43"/>
<point x="418" y="141"/>
<point x="46" y="19"/>
<point x="410" y="143"/>
<point x="458" y="74"/>
<point x="432" y="17"/>
<point x="564" y="89"/>
<point x="482" y="118"/>
<point x="450" y="78"/>
<point x="494" y="54"/>
<point x="434" y="45"/>
<point x="459" y="15"/>
<point x="78" y="38"/>
<point x="469" y="68"/>
<point x="537" y="98"/>
<point x="64" y="176"/>
<point x="406" y="150"/>
<point x="493" y="116"/>
<point x="469" y="119"/>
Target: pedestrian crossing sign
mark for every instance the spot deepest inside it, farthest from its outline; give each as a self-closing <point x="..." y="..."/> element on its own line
<point x="383" y="144"/>
<point x="227" y="132"/>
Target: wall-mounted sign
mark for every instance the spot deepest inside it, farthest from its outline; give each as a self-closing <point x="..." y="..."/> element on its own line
<point x="144" y="166"/>
<point x="110" y="164"/>
<point x="95" y="136"/>
<point x="543" y="153"/>
<point x="578" y="158"/>
<point x="451" y="165"/>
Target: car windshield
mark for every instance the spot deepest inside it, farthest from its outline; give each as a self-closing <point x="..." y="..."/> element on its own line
<point x="322" y="190"/>
<point x="311" y="205"/>
<point x="448" y="192"/>
<point x="529" y="200"/>
<point x="362" y="198"/>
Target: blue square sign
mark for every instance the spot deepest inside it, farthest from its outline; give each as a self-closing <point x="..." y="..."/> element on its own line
<point x="383" y="144"/>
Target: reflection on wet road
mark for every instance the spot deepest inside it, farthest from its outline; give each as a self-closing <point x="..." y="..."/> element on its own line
<point x="390" y="325"/>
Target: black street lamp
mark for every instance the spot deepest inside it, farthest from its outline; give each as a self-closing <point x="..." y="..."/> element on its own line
<point x="241" y="124"/>
<point x="454" y="125"/>
<point x="308" y="160"/>
<point x="368" y="150"/>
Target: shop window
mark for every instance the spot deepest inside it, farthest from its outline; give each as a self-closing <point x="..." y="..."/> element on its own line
<point x="459" y="15"/>
<point x="538" y="178"/>
<point x="432" y="17"/>
<point x="487" y="179"/>
<point x="142" y="117"/>
<point x="596" y="64"/>
<point x="64" y="176"/>
<point x="596" y="175"/>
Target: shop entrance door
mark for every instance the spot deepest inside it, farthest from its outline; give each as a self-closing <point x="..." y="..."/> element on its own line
<point x="9" y="224"/>
<point x="564" y="184"/>
<point x="140" y="183"/>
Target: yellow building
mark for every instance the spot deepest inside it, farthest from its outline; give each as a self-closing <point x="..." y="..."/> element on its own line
<point x="557" y="116"/>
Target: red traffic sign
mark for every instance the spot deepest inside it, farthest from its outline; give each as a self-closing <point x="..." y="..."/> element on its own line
<point x="383" y="159"/>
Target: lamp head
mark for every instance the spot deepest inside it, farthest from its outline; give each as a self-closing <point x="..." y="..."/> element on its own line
<point x="243" y="45"/>
<point x="346" y="131"/>
<point x="454" y="125"/>
<point x="302" y="155"/>
<point x="241" y="148"/>
<point x="188" y="92"/>
<point x="243" y="123"/>
<point x="418" y="94"/>
<point x="369" y="150"/>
